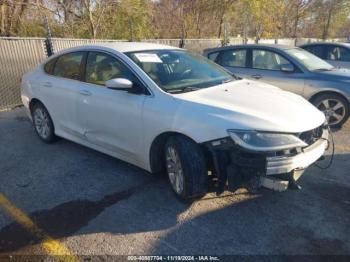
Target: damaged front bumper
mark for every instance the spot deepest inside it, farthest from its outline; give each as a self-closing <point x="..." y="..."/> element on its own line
<point x="285" y="164"/>
<point x="234" y="165"/>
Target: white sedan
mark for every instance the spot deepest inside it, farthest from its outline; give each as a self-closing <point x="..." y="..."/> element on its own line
<point x="170" y="111"/>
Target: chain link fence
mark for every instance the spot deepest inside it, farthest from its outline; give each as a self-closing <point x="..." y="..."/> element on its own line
<point x="20" y="55"/>
<point x="17" y="56"/>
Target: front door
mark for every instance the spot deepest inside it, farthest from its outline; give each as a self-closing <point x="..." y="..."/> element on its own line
<point x="266" y="66"/>
<point x="112" y="119"/>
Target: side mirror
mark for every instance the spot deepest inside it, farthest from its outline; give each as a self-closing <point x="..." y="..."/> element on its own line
<point x="119" y="84"/>
<point x="287" y="68"/>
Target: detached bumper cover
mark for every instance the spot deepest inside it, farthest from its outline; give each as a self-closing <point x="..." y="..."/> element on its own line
<point x="286" y="164"/>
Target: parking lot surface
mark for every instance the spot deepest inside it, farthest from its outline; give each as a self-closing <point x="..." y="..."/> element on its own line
<point x="93" y="204"/>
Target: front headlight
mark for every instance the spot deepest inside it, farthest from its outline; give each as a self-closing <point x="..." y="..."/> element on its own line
<point x="264" y="141"/>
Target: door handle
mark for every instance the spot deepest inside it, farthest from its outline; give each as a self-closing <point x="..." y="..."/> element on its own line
<point x="85" y="92"/>
<point x="47" y="84"/>
<point x="257" y="76"/>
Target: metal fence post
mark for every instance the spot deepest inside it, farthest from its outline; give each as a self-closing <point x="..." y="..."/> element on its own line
<point x="182" y="43"/>
<point x="48" y="42"/>
<point x="182" y="40"/>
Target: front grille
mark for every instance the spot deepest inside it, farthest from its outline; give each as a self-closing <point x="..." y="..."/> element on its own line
<point x="312" y="136"/>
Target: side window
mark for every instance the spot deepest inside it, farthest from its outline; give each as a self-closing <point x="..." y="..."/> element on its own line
<point x="68" y="65"/>
<point x="232" y="58"/>
<point x="317" y="50"/>
<point x="48" y="67"/>
<point x="263" y="59"/>
<point x="213" y="56"/>
<point x="101" y="67"/>
<point x="338" y="53"/>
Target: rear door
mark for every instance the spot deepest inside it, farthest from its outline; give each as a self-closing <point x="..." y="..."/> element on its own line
<point x="266" y="66"/>
<point x="59" y="89"/>
<point x="112" y="119"/>
<point x="234" y="60"/>
<point x="338" y="56"/>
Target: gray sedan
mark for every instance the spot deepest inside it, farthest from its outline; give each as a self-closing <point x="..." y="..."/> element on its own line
<point x="292" y="69"/>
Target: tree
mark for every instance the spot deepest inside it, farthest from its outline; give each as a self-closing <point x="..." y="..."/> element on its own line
<point x="11" y="13"/>
<point x="330" y="15"/>
<point x="263" y="19"/>
<point x="94" y="11"/>
<point x="139" y="19"/>
<point x="294" y="14"/>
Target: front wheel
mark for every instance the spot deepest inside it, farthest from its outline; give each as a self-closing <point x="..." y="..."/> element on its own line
<point x="186" y="168"/>
<point x="335" y="108"/>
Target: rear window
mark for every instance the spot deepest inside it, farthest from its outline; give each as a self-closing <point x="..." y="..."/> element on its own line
<point x="316" y="50"/>
<point x="48" y="68"/>
<point x="232" y="58"/>
<point x="68" y="65"/>
<point x="213" y="56"/>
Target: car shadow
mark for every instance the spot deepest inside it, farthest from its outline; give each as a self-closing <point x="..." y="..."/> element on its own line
<point x="312" y="221"/>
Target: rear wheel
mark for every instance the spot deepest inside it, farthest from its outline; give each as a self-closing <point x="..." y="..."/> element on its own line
<point x="335" y="108"/>
<point x="43" y="123"/>
<point x="186" y="168"/>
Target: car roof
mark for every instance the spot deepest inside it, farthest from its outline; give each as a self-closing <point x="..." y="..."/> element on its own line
<point x="327" y="43"/>
<point x="122" y="47"/>
<point x="268" y="46"/>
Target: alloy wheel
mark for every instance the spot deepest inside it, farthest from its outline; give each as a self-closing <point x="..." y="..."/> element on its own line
<point x="333" y="109"/>
<point x="174" y="169"/>
<point x="41" y="123"/>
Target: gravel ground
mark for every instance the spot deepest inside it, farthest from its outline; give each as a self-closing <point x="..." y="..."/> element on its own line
<point x="97" y="205"/>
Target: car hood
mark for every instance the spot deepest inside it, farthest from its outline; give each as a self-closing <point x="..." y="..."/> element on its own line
<point x="251" y="105"/>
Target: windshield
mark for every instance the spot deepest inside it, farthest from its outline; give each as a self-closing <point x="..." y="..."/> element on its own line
<point x="177" y="71"/>
<point x="310" y="61"/>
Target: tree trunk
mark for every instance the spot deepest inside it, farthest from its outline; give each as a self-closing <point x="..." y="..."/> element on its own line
<point x="91" y="19"/>
<point x="296" y="21"/>
<point x="18" y="17"/>
<point x="10" y="14"/>
<point x="328" y="23"/>
<point x="92" y="26"/>
<point x="3" y="21"/>
<point x="222" y="15"/>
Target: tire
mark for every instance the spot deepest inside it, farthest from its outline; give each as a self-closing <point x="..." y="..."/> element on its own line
<point x="336" y="117"/>
<point x="43" y="124"/>
<point x="193" y="166"/>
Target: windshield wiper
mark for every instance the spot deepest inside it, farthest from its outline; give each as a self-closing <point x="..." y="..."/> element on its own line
<point x="324" y="69"/>
<point x="183" y="90"/>
<point x="228" y="80"/>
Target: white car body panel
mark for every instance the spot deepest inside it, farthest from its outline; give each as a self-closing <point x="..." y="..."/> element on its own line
<point x="124" y="125"/>
<point x="252" y="105"/>
<point x="112" y="119"/>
